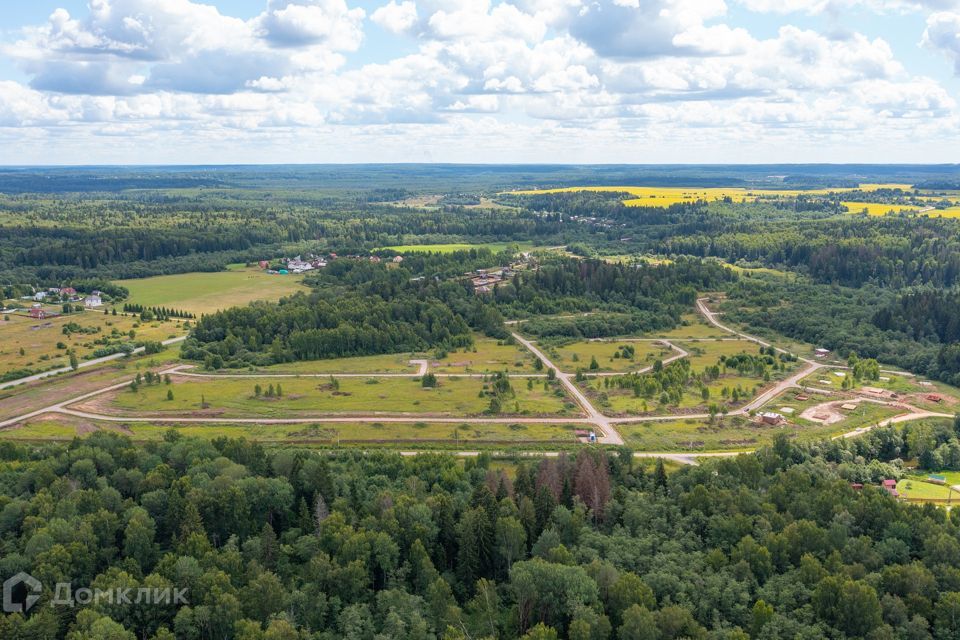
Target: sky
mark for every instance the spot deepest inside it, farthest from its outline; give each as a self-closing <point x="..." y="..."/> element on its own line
<point x="479" y="81"/>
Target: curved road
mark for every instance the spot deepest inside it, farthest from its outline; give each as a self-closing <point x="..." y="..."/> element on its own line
<point x="607" y="433"/>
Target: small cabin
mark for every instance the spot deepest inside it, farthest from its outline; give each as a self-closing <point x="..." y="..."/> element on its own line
<point x="771" y="418"/>
<point x="821" y="352"/>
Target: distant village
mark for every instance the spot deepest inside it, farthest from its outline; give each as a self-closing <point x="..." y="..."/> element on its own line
<point x="483" y="280"/>
<point x="68" y="297"/>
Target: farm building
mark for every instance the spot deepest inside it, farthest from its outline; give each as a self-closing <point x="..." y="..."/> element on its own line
<point x="37" y="312"/>
<point x="937" y="478"/>
<point x="891" y="487"/>
<point x="821" y="352"/>
<point x="770" y="417"/>
<point x="933" y="397"/>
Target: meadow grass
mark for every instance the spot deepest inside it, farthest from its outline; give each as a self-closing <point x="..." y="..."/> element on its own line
<point x="577" y="355"/>
<point x="208" y="292"/>
<point x="39" y="338"/>
<point x="486" y="356"/>
<point x="232" y="397"/>
<point x="317" y="432"/>
<point x="706" y="353"/>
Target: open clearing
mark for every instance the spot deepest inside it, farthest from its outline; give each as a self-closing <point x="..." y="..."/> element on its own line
<point x="577" y="355"/>
<point x="208" y="292"/>
<point x="39" y="339"/>
<point x="406" y="434"/>
<point x="706" y="353"/>
<point x="232" y="397"/>
<point x="486" y="356"/>
<point x="733" y="433"/>
<point x="386" y="363"/>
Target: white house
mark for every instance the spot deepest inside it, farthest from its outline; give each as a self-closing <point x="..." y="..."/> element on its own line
<point x="93" y="300"/>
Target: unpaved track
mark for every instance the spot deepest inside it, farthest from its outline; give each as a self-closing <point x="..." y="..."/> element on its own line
<point x="84" y="364"/>
<point x="603" y="424"/>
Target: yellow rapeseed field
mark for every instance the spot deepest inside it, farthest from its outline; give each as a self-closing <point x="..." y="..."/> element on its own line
<point x="666" y="196"/>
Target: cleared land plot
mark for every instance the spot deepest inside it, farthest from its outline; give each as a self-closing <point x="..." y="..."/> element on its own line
<point x="577" y="355"/>
<point x="916" y="488"/>
<point x="208" y="292"/>
<point x="387" y="363"/>
<point x="730" y="434"/>
<point x="623" y="402"/>
<point x="232" y="397"/>
<point x="54" y="427"/>
<point x="692" y="326"/>
<point x="486" y="356"/>
<point x="34" y="396"/>
<point x="830" y="407"/>
<point x="39" y="339"/>
<point x="706" y="353"/>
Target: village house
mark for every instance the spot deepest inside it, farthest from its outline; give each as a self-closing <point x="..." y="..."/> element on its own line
<point x="770" y="417"/>
<point x="298" y="265"/>
<point x="93" y="300"/>
<point x="37" y="312"/>
<point x="891" y="487"/>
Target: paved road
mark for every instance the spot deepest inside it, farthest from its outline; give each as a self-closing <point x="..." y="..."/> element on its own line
<point x="84" y="364"/>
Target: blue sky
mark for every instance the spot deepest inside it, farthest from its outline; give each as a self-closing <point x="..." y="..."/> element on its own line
<point x="180" y="81"/>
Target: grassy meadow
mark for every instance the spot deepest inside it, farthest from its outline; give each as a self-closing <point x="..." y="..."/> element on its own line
<point x="208" y="292"/>
<point x="37" y="345"/>
<point x="236" y="397"/>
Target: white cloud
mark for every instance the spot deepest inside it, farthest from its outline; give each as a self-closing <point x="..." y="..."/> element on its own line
<point x="307" y="22"/>
<point x="397" y="18"/>
<point x="839" y="6"/>
<point x="485" y="74"/>
<point x="943" y="34"/>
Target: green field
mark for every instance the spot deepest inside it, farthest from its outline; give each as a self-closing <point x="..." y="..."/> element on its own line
<point x="486" y="356"/>
<point x="692" y="326"/>
<point x="385" y="363"/>
<point x="446" y="434"/>
<point x="39" y="339"/>
<point x="915" y="488"/>
<point x="706" y="353"/>
<point x="731" y="434"/>
<point x="208" y="292"/>
<point x="232" y="397"/>
<point x="577" y="355"/>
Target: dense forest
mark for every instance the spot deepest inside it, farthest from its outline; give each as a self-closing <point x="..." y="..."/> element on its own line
<point x="279" y="544"/>
<point x="359" y="307"/>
